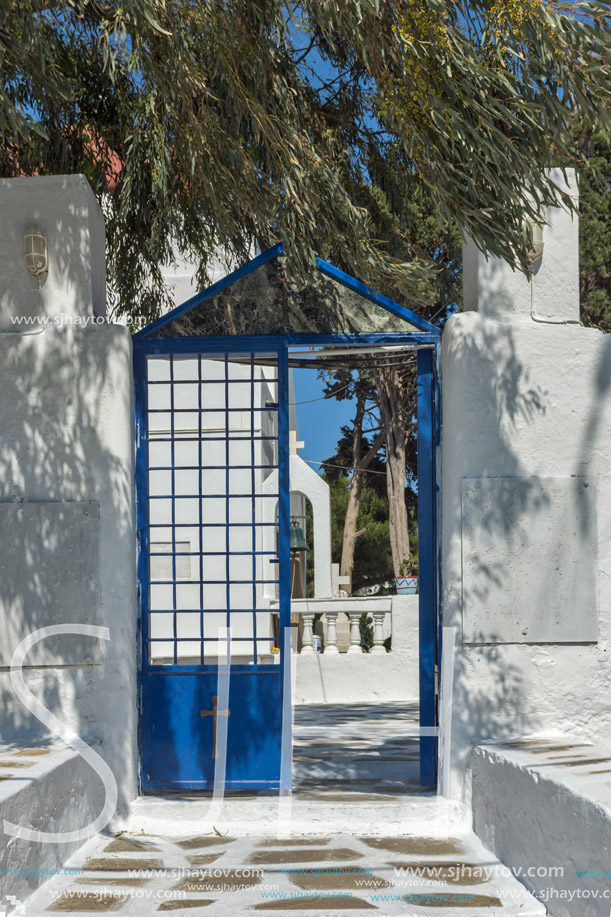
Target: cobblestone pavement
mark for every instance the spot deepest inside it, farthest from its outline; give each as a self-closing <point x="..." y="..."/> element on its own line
<point x="224" y="877"/>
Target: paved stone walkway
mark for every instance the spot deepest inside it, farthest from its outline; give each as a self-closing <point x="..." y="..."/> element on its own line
<point x="347" y="750"/>
<point x="224" y="877"/>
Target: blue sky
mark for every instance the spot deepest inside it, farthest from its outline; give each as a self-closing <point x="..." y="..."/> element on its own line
<point x="319" y="421"/>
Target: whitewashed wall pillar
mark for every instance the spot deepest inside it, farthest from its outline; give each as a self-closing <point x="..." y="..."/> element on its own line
<point x="66" y="450"/>
<point x="526" y="414"/>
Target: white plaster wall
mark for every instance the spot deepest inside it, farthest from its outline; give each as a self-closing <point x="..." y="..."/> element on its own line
<point x="493" y="288"/>
<point x="64" y="207"/>
<point x="555" y="279"/>
<point x="527" y="399"/>
<point x="180" y="277"/>
<point x="66" y="434"/>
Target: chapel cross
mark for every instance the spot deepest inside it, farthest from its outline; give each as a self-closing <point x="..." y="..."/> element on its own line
<point x="215" y="712"/>
<point x="294" y="443"/>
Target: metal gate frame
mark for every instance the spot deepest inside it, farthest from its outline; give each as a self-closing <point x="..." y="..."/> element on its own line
<point x="428" y="415"/>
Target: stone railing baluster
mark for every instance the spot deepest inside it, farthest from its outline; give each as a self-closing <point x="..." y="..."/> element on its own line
<point x="378" y="632"/>
<point x="355" y="632"/>
<point x="308" y="631"/>
<point x="331" y="642"/>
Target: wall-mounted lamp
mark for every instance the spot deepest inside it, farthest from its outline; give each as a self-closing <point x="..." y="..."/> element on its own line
<point x="35" y="251"/>
<point x="535" y="252"/>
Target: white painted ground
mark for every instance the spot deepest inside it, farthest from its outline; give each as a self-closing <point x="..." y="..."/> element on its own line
<point x="217" y="876"/>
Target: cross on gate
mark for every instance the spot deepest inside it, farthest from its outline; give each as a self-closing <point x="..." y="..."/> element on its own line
<point x="215" y="712"/>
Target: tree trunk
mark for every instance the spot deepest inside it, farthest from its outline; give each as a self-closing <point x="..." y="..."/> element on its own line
<point x="395" y="488"/>
<point x="394" y="414"/>
<point x="351" y="535"/>
<point x="350" y="530"/>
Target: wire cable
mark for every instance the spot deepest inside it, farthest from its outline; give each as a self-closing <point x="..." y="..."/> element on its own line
<point x="348" y="384"/>
<point x="323" y="397"/>
<point x="344" y="468"/>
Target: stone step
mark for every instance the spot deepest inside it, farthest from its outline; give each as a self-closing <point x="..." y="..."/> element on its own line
<point x="44" y="788"/>
<point x="139" y="873"/>
<point x="544" y="806"/>
<point x="308" y="813"/>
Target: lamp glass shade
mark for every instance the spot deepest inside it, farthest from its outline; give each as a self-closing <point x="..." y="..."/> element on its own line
<point x="35" y="250"/>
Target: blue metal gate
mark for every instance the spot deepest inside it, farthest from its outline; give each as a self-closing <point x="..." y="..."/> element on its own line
<point x="211" y="425"/>
<point x="212" y="428"/>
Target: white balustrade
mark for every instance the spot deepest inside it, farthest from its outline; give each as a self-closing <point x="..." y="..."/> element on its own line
<point x="331" y="641"/>
<point x="308" y="631"/>
<point x="378" y="632"/>
<point x="355" y="632"/>
<point x="378" y="607"/>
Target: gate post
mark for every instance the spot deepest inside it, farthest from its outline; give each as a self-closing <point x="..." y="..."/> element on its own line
<point x="426" y="565"/>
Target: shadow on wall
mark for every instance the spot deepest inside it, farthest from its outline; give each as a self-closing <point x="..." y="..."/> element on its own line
<point x="66" y="437"/>
<point x="497" y="709"/>
<point x="592" y="426"/>
<point x="500" y="400"/>
<point x="508" y="425"/>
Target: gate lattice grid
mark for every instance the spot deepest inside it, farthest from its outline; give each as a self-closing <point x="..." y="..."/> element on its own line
<point x="212" y="440"/>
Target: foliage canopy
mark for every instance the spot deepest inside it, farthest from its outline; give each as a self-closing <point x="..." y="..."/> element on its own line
<point x="233" y="123"/>
<point x="595" y="227"/>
